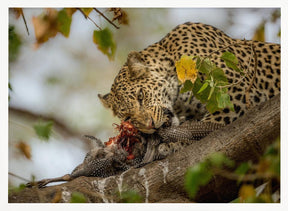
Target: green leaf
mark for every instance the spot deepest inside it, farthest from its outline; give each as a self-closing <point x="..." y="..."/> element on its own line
<point x="228" y="56"/>
<point x="212" y="105"/>
<point x="230" y="60"/>
<point x="205" y="66"/>
<point x="275" y="165"/>
<point x="219" y="159"/>
<point x="273" y="149"/>
<point x="211" y="92"/>
<point x="197" y="176"/>
<point x="14" y="44"/>
<point x="64" y="22"/>
<point x="52" y="80"/>
<point x="131" y="197"/>
<point x="223" y="101"/>
<point x="188" y="85"/>
<point x="202" y="96"/>
<point x="77" y="197"/>
<point x="104" y="40"/>
<point x="208" y="91"/>
<point x="9" y="86"/>
<point x="16" y="189"/>
<point x="237" y="200"/>
<point x="204" y="86"/>
<point x="197" y="86"/>
<point x="44" y="129"/>
<point x="230" y="105"/>
<point x="233" y="66"/>
<point x="219" y="77"/>
<point x="272" y="156"/>
<point x="255" y="199"/>
<point x="242" y="168"/>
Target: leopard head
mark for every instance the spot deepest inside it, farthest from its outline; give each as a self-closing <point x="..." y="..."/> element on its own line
<point x="142" y="94"/>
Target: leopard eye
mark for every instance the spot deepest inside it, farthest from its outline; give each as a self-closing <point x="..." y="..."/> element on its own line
<point x="140" y="96"/>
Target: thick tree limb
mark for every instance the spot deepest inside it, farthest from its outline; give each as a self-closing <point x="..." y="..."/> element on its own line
<point x="162" y="181"/>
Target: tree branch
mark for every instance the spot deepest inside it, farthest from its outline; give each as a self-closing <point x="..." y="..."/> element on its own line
<point x="162" y="181"/>
<point x="87" y="17"/>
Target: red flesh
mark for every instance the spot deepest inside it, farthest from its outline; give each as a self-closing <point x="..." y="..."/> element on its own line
<point x="126" y="138"/>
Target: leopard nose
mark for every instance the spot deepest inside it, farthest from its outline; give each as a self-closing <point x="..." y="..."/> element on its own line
<point x="151" y="123"/>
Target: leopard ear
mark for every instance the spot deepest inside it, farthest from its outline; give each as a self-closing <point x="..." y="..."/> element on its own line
<point x="106" y="100"/>
<point x="136" y="67"/>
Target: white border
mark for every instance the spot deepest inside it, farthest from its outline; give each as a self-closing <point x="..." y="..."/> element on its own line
<point x="147" y="3"/>
<point x="144" y="3"/>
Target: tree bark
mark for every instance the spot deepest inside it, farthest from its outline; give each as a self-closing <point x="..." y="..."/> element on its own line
<point x="162" y="181"/>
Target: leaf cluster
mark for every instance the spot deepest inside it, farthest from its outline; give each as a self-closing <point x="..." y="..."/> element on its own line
<point x="210" y="84"/>
<point x="51" y="22"/>
<point x="58" y="21"/>
<point x="202" y="173"/>
<point x="267" y="169"/>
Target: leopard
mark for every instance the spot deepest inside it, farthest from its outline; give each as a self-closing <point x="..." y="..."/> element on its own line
<point x="146" y="90"/>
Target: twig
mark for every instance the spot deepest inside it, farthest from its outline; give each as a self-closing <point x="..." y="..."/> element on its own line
<point x="23" y="17"/>
<point x="19" y="177"/>
<point x="87" y="17"/>
<point x="241" y="79"/>
<point x="100" y="13"/>
<point x="61" y="127"/>
<point x="18" y="12"/>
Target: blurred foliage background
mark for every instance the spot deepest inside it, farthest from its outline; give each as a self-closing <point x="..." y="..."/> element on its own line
<point x="53" y="84"/>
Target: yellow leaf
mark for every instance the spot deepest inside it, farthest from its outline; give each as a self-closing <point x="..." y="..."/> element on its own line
<point x="246" y="191"/>
<point x="259" y="34"/>
<point x="186" y="69"/>
<point x="45" y="26"/>
<point x="25" y="149"/>
<point x="86" y="11"/>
